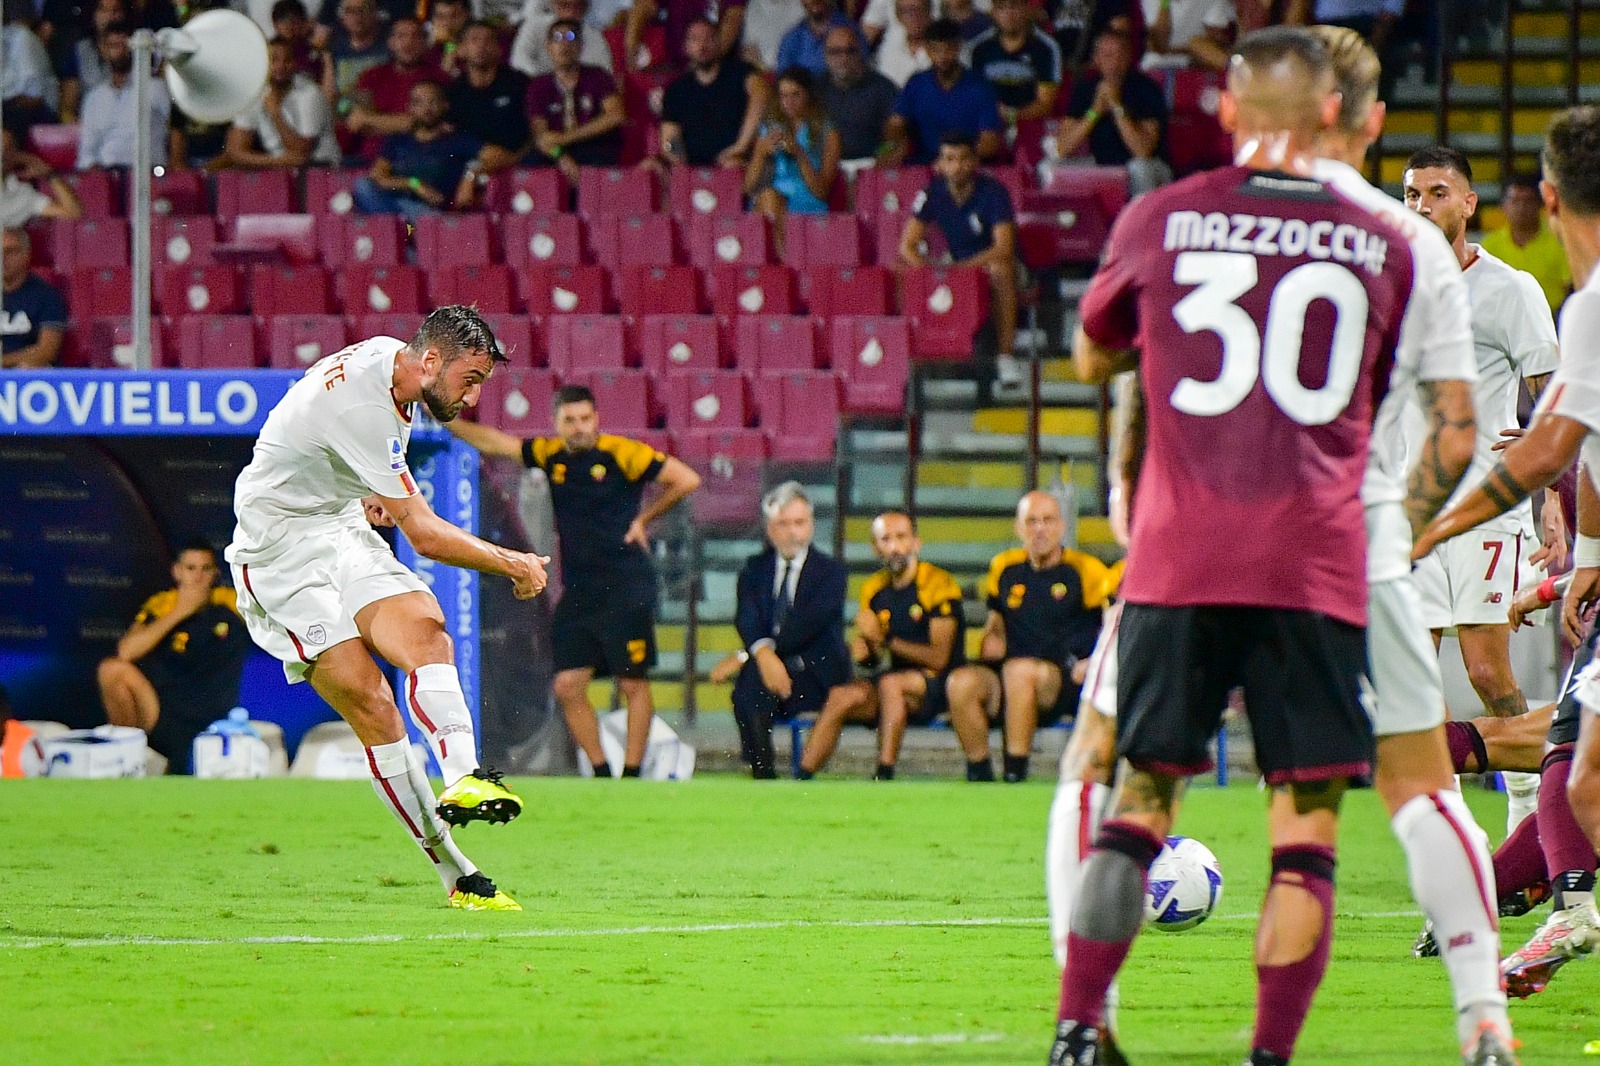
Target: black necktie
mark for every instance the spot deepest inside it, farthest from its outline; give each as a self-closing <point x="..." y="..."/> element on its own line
<point x="780" y="609"/>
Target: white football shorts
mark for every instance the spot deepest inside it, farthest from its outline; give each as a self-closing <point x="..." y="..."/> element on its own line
<point x="1100" y="680"/>
<point x="1404" y="667"/>
<point x="1471" y="579"/>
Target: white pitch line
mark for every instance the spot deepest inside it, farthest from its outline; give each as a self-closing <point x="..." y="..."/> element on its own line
<point x="32" y="943"/>
<point x="913" y="1039"/>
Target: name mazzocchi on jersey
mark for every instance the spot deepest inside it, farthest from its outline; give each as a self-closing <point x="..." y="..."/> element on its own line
<point x="1342" y="242"/>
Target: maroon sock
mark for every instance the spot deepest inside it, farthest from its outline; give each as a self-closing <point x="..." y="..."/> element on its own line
<point x="1519" y="861"/>
<point x="1109" y="910"/>
<point x="1565" y="846"/>
<point x="1466" y="743"/>
<point x="1284" y="993"/>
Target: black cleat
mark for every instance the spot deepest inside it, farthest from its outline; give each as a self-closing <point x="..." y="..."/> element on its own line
<point x="1425" y="947"/>
<point x="1076" y="1045"/>
<point x="1110" y="1053"/>
<point x="1519" y="903"/>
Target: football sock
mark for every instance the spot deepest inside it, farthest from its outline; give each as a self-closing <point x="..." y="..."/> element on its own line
<point x="1074" y="819"/>
<point x="402" y="785"/>
<point x="884" y="772"/>
<point x="1284" y="992"/>
<point x="433" y="695"/>
<point x="803" y="774"/>
<point x="1016" y="767"/>
<point x="980" y="770"/>
<point x="1522" y="796"/>
<point x="630" y="771"/>
<point x="603" y="770"/>
<point x="1566" y="848"/>
<point x="1105" y="920"/>
<point x="1574" y="888"/>
<point x="1519" y="860"/>
<point x="1451" y="878"/>
<point x="1467" y="752"/>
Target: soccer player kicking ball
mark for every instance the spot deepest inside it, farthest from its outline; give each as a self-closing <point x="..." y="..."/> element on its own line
<point x="322" y="592"/>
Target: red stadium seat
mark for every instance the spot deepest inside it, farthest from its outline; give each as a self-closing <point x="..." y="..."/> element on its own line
<point x="517" y="400"/>
<point x="543" y="240"/>
<point x="800" y="412"/>
<point x="652" y="46"/>
<point x="212" y="290"/>
<point x="707" y="191"/>
<point x="110" y="343"/>
<point x="660" y="290"/>
<point x="1015" y="179"/>
<point x="294" y="342"/>
<point x="185" y="241"/>
<point x="765" y="343"/>
<point x="872" y="356"/>
<point x="100" y="291"/>
<point x="275" y="238"/>
<point x="738" y="290"/>
<point x="453" y="240"/>
<point x="526" y="190"/>
<point x="297" y="290"/>
<point x="889" y="190"/>
<point x="615" y="191"/>
<point x="259" y="192"/>
<point x="56" y="144"/>
<point x="1068" y="220"/>
<point x="831" y="291"/>
<point x="822" y="240"/>
<point x="679" y="342"/>
<point x="177" y="192"/>
<point x="730" y="464"/>
<point x="624" y="396"/>
<point x="549" y="290"/>
<point x="706" y="399"/>
<point x="742" y="240"/>
<point x="491" y="287"/>
<point x="361" y="240"/>
<point x="616" y="241"/>
<point x="515" y="335"/>
<point x="91" y="242"/>
<point x="579" y="344"/>
<point x="381" y="290"/>
<point x="328" y="190"/>
<point x="399" y="325"/>
<point x="947" y="306"/>
<point x="886" y="240"/>
<point x="99" y="191"/>
<point x="642" y="93"/>
<point x="216" y="342"/>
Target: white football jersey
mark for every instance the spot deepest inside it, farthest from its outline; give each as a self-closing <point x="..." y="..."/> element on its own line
<point x="1435" y="345"/>
<point x="335" y="437"/>
<point x="1574" y="392"/>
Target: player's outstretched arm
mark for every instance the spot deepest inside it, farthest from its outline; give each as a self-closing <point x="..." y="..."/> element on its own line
<point x="1096" y="364"/>
<point x="443" y="542"/>
<point x="1446" y="454"/>
<point x="487" y="439"/>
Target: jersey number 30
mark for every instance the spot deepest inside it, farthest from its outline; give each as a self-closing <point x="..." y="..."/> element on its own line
<point x="1223" y="277"/>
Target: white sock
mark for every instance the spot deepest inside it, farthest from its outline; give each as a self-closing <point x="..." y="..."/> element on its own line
<point x="434" y="698"/>
<point x="1522" y="796"/>
<point x="1452" y="878"/>
<point x="402" y="785"/>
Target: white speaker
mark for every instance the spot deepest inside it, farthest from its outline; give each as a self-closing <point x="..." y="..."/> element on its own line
<point x="216" y="64"/>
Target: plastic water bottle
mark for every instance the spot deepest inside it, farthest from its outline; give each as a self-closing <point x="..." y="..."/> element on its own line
<point x="237" y="724"/>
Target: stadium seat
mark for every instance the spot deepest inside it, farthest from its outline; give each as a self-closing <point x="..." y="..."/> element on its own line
<point x="400" y="325"/>
<point x="886" y="240"/>
<point x="766" y="343"/>
<point x="706" y="399"/>
<point x="616" y="241"/>
<point x="186" y="241"/>
<point x="186" y="290"/>
<point x="742" y="239"/>
<point x="221" y="342"/>
<point x="100" y="291"/>
<point x="623" y="396"/>
<point x="563" y="290"/>
<point x="294" y="342"/>
<point x="515" y="334"/>
<point x="642" y="93"/>
<point x="652" y="46"/>
<point x="1069" y="219"/>
<point x="730" y="464"/>
<point x="889" y="190"/>
<point x="89" y="242"/>
<point x="298" y="290"/>
<point x="453" y="240"/>
<point x="381" y="289"/>
<point x="56" y="143"/>
<point x="369" y="240"/>
<point x="800" y="413"/>
<point x="579" y="344"/>
<point x="275" y="238"/>
<point x="679" y="342"/>
<point x="1015" y="179"/>
<point x="706" y="191"/>
<point x="822" y="240"/>
<point x="543" y="240"/>
<point x="659" y="290"/>
<point x="259" y="192"/>
<point x="736" y="290"/>
<point x="615" y="191"/>
<point x="947" y="306"/>
<point x="110" y="343"/>
<point x="831" y="291"/>
<point x="99" y="191"/>
<point x="328" y="190"/>
<point x="517" y="400"/>
<point x="491" y="287"/>
<point x="177" y="192"/>
<point x="1195" y="139"/>
<point x="872" y="356"/>
<point x="525" y="191"/>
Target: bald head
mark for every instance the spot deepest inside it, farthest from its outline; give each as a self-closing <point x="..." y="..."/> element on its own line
<point x="1040" y="526"/>
<point x="1280" y="81"/>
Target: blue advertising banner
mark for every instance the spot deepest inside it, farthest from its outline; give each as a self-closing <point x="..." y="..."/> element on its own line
<point x="151" y="403"/>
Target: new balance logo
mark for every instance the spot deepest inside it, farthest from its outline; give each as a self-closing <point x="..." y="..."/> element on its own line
<point x="1460" y="940"/>
<point x="1493" y="597"/>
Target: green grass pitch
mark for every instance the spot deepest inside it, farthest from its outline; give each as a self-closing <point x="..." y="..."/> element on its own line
<point x="714" y="922"/>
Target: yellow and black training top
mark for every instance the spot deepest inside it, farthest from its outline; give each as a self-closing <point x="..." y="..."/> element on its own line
<point x="1051" y="613"/>
<point x="906" y="612"/>
<point x="596" y="495"/>
<point x="209" y="642"/>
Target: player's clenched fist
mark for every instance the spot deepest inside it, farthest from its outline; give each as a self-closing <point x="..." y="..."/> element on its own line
<point x="527" y="574"/>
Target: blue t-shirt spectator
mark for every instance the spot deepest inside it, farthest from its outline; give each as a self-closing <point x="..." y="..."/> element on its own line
<point x="438" y="162"/>
<point x="786" y="175"/>
<point x="34" y="305"/>
<point x="968" y="226"/>
<point x="930" y="110"/>
<point x="803" y="47"/>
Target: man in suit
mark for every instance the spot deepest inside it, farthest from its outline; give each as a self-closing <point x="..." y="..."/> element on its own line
<point x="791" y="622"/>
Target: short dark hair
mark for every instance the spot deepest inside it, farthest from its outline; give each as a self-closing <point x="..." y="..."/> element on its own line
<point x="699" y="20"/>
<point x="196" y="544"/>
<point x="1524" y="179"/>
<point x="121" y="26"/>
<point x="1572" y="158"/>
<point x="1441" y="156"/>
<point x="284" y="9"/>
<point x="564" y="24"/>
<point x="572" y="394"/>
<point x="456" y="329"/>
<point x="943" y="31"/>
<point x="480" y="24"/>
<point x="453" y="3"/>
<point x="957" y="138"/>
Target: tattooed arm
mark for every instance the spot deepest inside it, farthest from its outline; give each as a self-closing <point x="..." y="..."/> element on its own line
<point x="1095" y="363"/>
<point x="1446" y="454"/>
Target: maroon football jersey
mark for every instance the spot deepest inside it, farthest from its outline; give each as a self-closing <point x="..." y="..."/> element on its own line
<point x="1266" y="309"/>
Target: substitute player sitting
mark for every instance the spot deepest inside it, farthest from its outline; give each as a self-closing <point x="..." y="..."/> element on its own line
<point x="320" y="590"/>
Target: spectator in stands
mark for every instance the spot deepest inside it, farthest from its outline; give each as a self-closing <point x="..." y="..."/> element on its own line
<point x="766" y="23"/>
<point x="859" y="100"/>
<point x="84" y="70"/>
<point x="1188" y="33"/>
<point x="975" y="214"/>
<point x="1045" y="604"/>
<point x="419" y="172"/>
<point x="1077" y="24"/>
<point x="1121" y="113"/>
<point x="380" y="105"/>
<point x="796" y="157"/>
<point x="806" y="44"/>
<point x="289" y="126"/>
<point x="309" y="39"/>
<point x="576" y="110"/>
<point x="33" y="313"/>
<point x="446" y="20"/>
<point x="911" y="613"/>
<point x="1527" y="242"/>
<point x="177" y="669"/>
<point x="726" y="17"/>
<point x="489" y="101"/>
<point x="1020" y="62"/>
<point x="947" y="97"/>
<point x="384" y="12"/>
<point x="107" y="124"/>
<point x="604" y="623"/>
<point x="357" y="45"/>
<point x="903" y="51"/>
<point x="21" y="200"/>
<point x="530" y="52"/>
<point x="973" y="23"/>
<point x="791" y="623"/>
<point x="711" y="112"/>
<point x="29" y="89"/>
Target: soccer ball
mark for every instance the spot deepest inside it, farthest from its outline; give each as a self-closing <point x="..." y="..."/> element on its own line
<point x="1184" y="886"/>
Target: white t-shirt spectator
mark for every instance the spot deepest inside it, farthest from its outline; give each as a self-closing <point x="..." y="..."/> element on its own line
<point x="20" y="203"/>
<point x="765" y="23"/>
<point x="896" y="61"/>
<point x="1190" y="19"/>
<point x="25" y="67"/>
<point x="306" y="111"/>
<point x="107" y="124"/>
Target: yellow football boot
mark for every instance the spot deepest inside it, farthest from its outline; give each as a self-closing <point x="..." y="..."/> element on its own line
<point x="475" y="892"/>
<point x="479" y="797"/>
